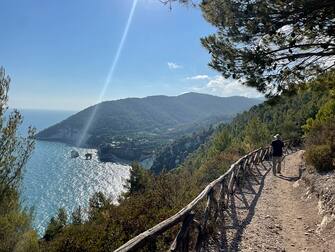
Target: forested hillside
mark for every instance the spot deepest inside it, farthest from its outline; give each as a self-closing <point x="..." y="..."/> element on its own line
<point x="134" y="128"/>
<point x="285" y="115"/>
<point x="152" y="115"/>
<point x="175" y="153"/>
<point x="152" y="198"/>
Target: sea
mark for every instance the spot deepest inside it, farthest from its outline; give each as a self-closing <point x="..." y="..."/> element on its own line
<point x="52" y="179"/>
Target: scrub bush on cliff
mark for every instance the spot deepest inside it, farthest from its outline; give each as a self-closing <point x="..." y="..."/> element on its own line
<point x="16" y="233"/>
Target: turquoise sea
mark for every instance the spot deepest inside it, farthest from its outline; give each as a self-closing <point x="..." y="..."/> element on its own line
<point x="52" y="179"/>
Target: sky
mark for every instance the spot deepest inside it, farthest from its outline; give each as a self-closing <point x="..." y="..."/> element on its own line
<point x="68" y="55"/>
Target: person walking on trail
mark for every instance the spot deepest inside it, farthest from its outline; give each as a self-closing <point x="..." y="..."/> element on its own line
<point x="277" y="154"/>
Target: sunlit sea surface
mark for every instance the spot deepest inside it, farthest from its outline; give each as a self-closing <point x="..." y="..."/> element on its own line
<point x="52" y="180"/>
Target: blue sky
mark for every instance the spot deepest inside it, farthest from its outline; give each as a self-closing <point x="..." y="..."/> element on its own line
<point x="59" y="53"/>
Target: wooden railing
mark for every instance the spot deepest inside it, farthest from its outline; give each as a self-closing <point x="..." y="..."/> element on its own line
<point x="222" y="187"/>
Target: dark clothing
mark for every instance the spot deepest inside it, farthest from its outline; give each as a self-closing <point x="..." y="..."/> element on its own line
<point x="277" y="148"/>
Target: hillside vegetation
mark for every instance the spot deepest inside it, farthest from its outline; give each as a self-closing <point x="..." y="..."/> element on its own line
<point x="16" y="233"/>
<point x="151" y="113"/>
<point x="134" y="128"/>
<point x="172" y="155"/>
<point x="151" y="198"/>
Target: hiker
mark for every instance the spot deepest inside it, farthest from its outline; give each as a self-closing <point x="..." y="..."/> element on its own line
<point x="277" y="154"/>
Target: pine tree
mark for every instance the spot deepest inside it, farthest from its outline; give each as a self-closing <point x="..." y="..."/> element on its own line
<point x="256" y="134"/>
<point x="56" y="224"/>
<point x="270" y="45"/>
<point x="16" y="233"/>
<point x="14" y="150"/>
<point x="77" y="216"/>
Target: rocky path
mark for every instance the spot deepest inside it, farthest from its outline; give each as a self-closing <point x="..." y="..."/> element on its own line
<point x="284" y="220"/>
<point x="273" y="213"/>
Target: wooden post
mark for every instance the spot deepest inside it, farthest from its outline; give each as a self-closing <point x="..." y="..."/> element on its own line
<point x="181" y="242"/>
<point x="205" y="220"/>
<point x="199" y="237"/>
<point x="239" y="175"/>
<point x="208" y="208"/>
<point x="255" y="157"/>
<point x="252" y="162"/>
<point x="257" y="161"/>
<point x="225" y="193"/>
<point x="262" y="155"/>
<point x="215" y="205"/>
<point x="250" y="157"/>
<point x="242" y="167"/>
<point x="266" y="152"/>
<point x="231" y="182"/>
<point x="245" y="164"/>
<point x="221" y="195"/>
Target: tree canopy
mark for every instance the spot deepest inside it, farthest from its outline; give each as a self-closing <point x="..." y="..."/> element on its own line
<point x="271" y="45"/>
<point x="16" y="233"/>
<point x="15" y="150"/>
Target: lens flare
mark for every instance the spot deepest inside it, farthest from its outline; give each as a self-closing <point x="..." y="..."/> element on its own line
<point x="109" y="77"/>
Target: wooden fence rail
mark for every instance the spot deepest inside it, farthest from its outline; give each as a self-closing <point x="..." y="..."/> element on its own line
<point x="186" y="216"/>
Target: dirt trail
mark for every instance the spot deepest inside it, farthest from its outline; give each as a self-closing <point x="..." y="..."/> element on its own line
<point x="284" y="219"/>
<point x="271" y="213"/>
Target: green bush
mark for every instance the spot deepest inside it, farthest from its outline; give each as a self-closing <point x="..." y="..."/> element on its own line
<point x="16" y="233"/>
<point x="321" y="157"/>
<point x="27" y="242"/>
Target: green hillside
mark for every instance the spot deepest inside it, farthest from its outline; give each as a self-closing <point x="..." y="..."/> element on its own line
<point x="135" y="127"/>
<point x="171" y="155"/>
<point x="150" y="114"/>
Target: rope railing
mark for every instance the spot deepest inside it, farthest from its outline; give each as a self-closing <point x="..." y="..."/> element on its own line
<point x="223" y="187"/>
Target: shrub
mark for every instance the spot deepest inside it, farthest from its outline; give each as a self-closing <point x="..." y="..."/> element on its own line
<point x="27" y="242"/>
<point x="56" y="224"/>
<point x="256" y="134"/>
<point x="321" y="157"/>
<point x="320" y="138"/>
<point x="325" y="114"/>
<point x="16" y="233"/>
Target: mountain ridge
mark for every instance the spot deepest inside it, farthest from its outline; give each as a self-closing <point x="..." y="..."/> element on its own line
<point x="157" y="119"/>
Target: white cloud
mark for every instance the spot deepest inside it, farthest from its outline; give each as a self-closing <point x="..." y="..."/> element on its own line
<point x="198" y="77"/>
<point x="172" y="65"/>
<point x="218" y="85"/>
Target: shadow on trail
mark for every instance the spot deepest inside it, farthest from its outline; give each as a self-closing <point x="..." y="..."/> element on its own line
<point x="259" y="182"/>
<point x="227" y="229"/>
<point x="241" y="209"/>
<point x="291" y="179"/>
